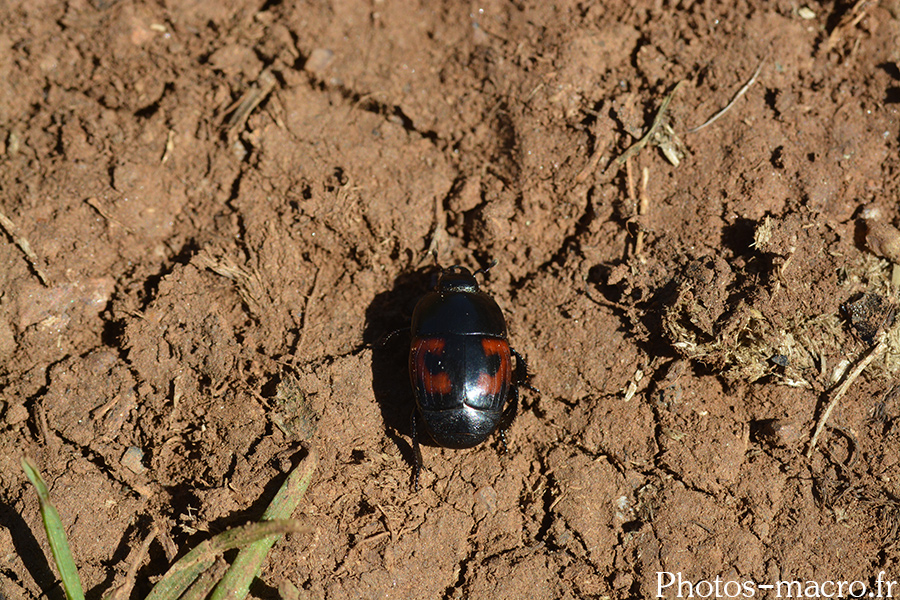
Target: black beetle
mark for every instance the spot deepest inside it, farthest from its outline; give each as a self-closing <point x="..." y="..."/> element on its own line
<point x="460" y="364"/>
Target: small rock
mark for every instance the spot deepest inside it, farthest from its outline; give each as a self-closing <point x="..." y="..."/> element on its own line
<point x="319" y="60"/>
<point x="485" y="502"/>
<point x="131" y="460"/>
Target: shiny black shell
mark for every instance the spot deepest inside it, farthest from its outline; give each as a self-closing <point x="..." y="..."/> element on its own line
<point x="460" y="361"/>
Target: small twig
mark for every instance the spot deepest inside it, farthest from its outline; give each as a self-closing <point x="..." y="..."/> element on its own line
<point x="556" y="501"/>
<point x="374" y="537"/>
<point x="307" y="307"/>
<point x="95" y="204"/>
<point x="874" y="353"/>
<point x="736" y="97"/>
<point x="657" y="122"/>
<point x="849" y="20"/>
<point x="629" y="184"/>
<point x="252" y="98"/>
<point x="13" y="231"/>
<point x="387" y="524"/>
<point x="170" y="144"/>
<point x="643" y="205"/>
<point x="640" y="201"/>
<point x="123" y="590"/>
<point x="629" y="187"/>
<point x="593" y="162"/>
<point x="703" y="527"/>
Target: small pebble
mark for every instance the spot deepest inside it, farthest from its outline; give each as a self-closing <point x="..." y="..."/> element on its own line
<point x="132" y="458"/>
<point x="318" y="60"/>
<point x="485" y="502"/>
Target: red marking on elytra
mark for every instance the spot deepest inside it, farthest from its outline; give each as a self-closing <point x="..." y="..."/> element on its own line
<point x="433" y="383"/>
<point x="493" y="384"/>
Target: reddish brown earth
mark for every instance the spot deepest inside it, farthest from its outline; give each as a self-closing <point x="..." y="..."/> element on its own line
<point x="685" y="331"/>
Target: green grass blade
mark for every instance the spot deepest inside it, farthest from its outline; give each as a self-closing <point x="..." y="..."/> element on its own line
<point x="56" y="535"/>
<point x="235" y="585"/>
<point x="192" y="565"/>
<point x="204" y="584"/>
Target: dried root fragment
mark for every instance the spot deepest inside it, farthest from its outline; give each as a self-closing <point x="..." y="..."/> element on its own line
<point x="36" y="263"/>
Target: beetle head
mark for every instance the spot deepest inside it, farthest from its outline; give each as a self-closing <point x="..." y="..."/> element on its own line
<point x="457" y="279"/>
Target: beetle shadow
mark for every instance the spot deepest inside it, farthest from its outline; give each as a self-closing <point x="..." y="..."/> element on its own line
<point x="387" y="334"/>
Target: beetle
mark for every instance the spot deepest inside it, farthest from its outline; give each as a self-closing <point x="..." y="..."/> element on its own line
<point x="460" y="365"/>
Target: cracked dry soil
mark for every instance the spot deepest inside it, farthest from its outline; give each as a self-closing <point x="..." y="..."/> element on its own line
<point x="232" y="199"/>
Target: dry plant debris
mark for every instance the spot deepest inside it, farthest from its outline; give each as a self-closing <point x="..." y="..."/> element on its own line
<point x="13" y="231"/>
<point x="660" y="133"/>
<point x="734" y="99"/>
